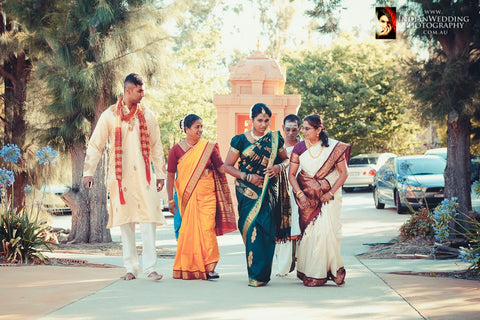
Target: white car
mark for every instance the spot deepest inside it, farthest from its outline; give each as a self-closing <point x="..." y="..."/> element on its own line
<point x="441" y="152"/>
<point x="50" y="196"/>
<point x="362" y="168"/>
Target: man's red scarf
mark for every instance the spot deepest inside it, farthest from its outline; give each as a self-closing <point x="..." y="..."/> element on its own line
<point x="122" y="114"/>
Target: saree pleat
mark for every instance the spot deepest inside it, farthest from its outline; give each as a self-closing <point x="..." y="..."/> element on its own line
<point x="197" y="247"/>
<point x="262" y="215"/>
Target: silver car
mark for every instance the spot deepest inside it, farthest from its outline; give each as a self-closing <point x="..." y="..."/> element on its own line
<point x="410" y="182"/>
<point x="362" y="168"/>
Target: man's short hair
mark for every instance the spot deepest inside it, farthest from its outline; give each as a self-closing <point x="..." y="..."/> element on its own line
<point x="133" y="78"/>
<point x="292" y="118"/>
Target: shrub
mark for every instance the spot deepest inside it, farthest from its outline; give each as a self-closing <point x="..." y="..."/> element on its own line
<point x="420" y="224"/>
<point x="22" y="234"/>
<point x="446" y="214"/>
<point x="443" y="214"/>
<point x="471" y="253"/>
<point x="22" y="238"/>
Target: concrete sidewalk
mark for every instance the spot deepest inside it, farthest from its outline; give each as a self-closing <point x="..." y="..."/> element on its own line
<point x="370" y="292"/>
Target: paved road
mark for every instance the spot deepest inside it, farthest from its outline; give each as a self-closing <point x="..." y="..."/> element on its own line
<point x="364" y="296"/>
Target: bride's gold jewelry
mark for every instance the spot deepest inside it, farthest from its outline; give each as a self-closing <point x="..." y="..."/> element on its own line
<point x="254" y="136"/>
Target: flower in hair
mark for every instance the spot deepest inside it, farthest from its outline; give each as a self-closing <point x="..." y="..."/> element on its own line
<point x="251" y="110"/>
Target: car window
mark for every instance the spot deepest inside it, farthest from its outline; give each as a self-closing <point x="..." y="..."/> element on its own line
<point x="389" y="166"/>
<point x="442" y="152"/>
<point x="421" y="166"/>
<point x="384" y="158"/>
<point x="381" y="170"/>
<point x="363" y="160"/>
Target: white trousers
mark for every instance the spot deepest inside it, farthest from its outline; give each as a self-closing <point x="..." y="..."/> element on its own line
<point x="284" y="251"/>
<point x="149" y="251"/>
<point x="284" y="256"/>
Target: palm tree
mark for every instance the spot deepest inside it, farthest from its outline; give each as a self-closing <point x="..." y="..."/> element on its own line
<point x="18" y="50"/>
<point x="91" y="45"/>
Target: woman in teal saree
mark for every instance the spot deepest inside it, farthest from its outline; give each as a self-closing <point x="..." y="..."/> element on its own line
<point x="262" y="192"/>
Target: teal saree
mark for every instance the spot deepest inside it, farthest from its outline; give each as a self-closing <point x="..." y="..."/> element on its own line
<point x="264" y="212"/>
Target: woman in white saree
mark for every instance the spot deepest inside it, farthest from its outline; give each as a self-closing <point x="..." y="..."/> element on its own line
<point x="321" y="164"/>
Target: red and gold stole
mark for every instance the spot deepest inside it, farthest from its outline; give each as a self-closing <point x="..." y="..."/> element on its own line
<point x="122" y="114"/>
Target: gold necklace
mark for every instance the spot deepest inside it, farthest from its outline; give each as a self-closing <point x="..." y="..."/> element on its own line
<point x="254" y="136"/>
<point x="188" y="144"/>
<point x="310" y="152"/>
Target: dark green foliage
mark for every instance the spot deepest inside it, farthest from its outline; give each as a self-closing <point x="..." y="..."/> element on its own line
<point x="329" y="13"/>
<point x="444" y="85"/>
<point x="357" y="88"/>
<point x="86" y="45"/>
<point x="22" y="238"/>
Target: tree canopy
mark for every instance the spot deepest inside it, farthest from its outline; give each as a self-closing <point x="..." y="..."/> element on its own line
<point x="357" y="87"/>
<point x="446" y="85"/>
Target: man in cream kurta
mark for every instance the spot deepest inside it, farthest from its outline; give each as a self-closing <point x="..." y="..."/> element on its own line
<point x="138" y="200"/>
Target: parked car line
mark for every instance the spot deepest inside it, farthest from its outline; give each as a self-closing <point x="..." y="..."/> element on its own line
<point x="410" y="182"/>
<point x="361" y="169"/>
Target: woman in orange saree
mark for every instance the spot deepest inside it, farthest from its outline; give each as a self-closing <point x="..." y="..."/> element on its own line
<point x="204" y="202"/>
<point x="318" y="191"/>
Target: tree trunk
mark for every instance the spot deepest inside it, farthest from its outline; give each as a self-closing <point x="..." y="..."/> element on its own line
<point x="98" y="195"/>
<point x="98" y="204"/>
<point x="90" y="217"/>
<point x="16" y="71"/>
<point x="458" y="170"/>
<point x="77" y="199"/>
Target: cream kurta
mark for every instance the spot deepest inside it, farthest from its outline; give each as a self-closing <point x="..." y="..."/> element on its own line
<point x="142" y="201"/>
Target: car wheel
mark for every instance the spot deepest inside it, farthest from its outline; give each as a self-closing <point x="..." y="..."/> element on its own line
<point x="347" y="189"/>
<point x="378" y="204"/>
<point x="398" y="203"/>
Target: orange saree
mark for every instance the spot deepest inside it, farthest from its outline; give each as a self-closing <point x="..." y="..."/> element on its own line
<point x="206" y="209"/>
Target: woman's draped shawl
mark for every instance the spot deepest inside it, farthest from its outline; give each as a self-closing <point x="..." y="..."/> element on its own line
<point x="273" y="195"/>
<point x="315" y="187"/>
<point x="191" y="167"/>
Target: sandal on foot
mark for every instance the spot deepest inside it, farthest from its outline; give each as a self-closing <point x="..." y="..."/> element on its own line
<point x="212" y="275"/>
<point x="155" y="276"/>
<point x="340" y="278"/>
<point x="128" y="276"/>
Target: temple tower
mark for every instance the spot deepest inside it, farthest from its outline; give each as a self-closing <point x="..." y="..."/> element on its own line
<point x="254" y="79"/>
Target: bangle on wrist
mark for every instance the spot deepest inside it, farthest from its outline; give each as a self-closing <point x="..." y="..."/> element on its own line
<point x="249" y="177"/>
<point x="330" y="193"/>
<point x="299" y="194"/>
<point x="171" y="201"/>
<point x="243" y="176"/>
